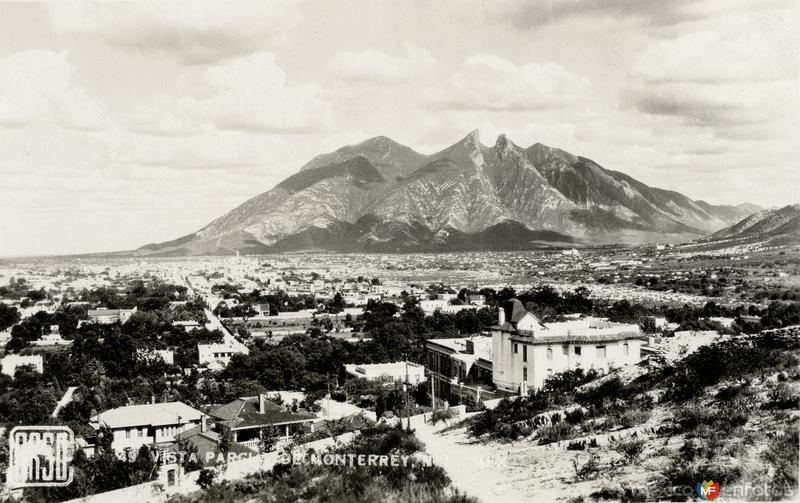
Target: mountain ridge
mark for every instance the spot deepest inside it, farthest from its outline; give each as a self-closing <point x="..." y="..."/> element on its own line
<point x="379" y="191"/>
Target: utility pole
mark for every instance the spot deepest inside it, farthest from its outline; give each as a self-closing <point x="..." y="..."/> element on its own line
<point x="407" y="388"/>
<point x="433" y="391"/>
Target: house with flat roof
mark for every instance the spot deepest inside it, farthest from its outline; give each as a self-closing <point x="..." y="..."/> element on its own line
<point x="460" y="369"/>
<point x="388" y="372"/>
<point x="108" y="316"/>
<point x="526" y="351"/>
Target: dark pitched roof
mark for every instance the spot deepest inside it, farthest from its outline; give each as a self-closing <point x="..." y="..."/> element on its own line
<point x="515" y="311"/>
<point x="228" y="412"/>
<point x="272" y="417"/>
<point x="243" y="413"/>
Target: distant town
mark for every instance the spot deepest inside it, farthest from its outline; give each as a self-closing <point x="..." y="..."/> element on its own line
<point x="173" y="367"/>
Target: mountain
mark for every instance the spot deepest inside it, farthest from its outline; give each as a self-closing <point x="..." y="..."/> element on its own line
<point x="777" y="226"/>
<point x="379" y="195"/>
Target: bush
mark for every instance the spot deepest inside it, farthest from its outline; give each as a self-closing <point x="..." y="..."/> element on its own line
<point x="633" y="417"/>
<point x="206" y="477"/>
<point x="442" y="416"/>
<point x="574" y="416"/>
<point x="577" y="445"/>
<point x="554" y="433"/>
<point x="782" y="455"/>
<point x="589" y="470"/>
<point x="630" y="449"/>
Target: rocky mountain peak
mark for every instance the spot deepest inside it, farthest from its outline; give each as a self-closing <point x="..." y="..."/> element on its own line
<point x="466" y="150"/>
<point x="503" y="147"/>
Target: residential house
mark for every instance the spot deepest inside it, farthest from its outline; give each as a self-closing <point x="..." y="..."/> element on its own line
<point x="248" y="418"/>
<point x="220" y="354"/>
<point x="150" y="424"/>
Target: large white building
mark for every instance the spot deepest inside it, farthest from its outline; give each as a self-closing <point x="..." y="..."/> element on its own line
<point x="525" y="351"/>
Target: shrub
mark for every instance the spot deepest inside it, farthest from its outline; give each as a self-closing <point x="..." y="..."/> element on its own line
<point x="206" y="477"/>
<point x="782" y="455"/>
<point x="442" y="416"/>
<point x="630" y="449"/>
<point x="596" y="395"/>
<point x="574" y="416"/>
<point x="633" y="417"/>
<point x="589" y="470"/>
<point x="554" y="433"/>
<point x="577" y="445"/>
<point x="781" y="397"/>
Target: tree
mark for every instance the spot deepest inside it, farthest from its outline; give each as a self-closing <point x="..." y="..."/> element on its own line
<point x="225" y="442"/>
<point x="337" y="305"/>
<point x="8" y="316"/>
<point x="267" y="441"/>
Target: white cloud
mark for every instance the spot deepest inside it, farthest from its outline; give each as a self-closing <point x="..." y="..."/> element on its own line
<point x="489" y="82"/>
<point x="251" y="93"/>
<point x="372" y="65"/>
<point x="37" y="85"/>
<point x="196" y="31"/>
<point x="726" y="73"/>
<point x="29" y="81"/>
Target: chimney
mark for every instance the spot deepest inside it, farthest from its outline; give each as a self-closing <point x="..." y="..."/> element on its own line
<point x="501" y="315"/>
<point x="203" y="423"/>
<point x="262" y="403"/>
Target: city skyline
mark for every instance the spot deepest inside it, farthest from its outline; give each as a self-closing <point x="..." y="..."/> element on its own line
<point x="124" y="124"/>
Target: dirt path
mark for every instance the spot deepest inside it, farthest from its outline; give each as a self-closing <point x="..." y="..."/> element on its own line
<point x="487" y="472"/>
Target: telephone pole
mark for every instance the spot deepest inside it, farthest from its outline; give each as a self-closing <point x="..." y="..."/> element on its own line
<point x="407" y="389"/>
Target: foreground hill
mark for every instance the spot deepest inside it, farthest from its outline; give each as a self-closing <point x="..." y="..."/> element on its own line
<point x="379" y="195"/>
<point x="726" y="412"/>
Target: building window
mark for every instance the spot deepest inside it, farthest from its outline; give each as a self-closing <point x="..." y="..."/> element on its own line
<point x="549" y="354"/>
<point x="625" y="349"/>
<point x="601" y="352"/>
<point x="577" y="350"/>
<point x="515" y="349"/>
<point x="525" y="373"/>
<point x="565" y="350"/>
<point x="127" y="433"/>
<point x="524" y="352"/>
<point x="549" y="372"/>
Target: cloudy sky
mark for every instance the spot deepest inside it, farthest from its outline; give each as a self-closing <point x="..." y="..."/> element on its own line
<point x="123" y="124"/>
